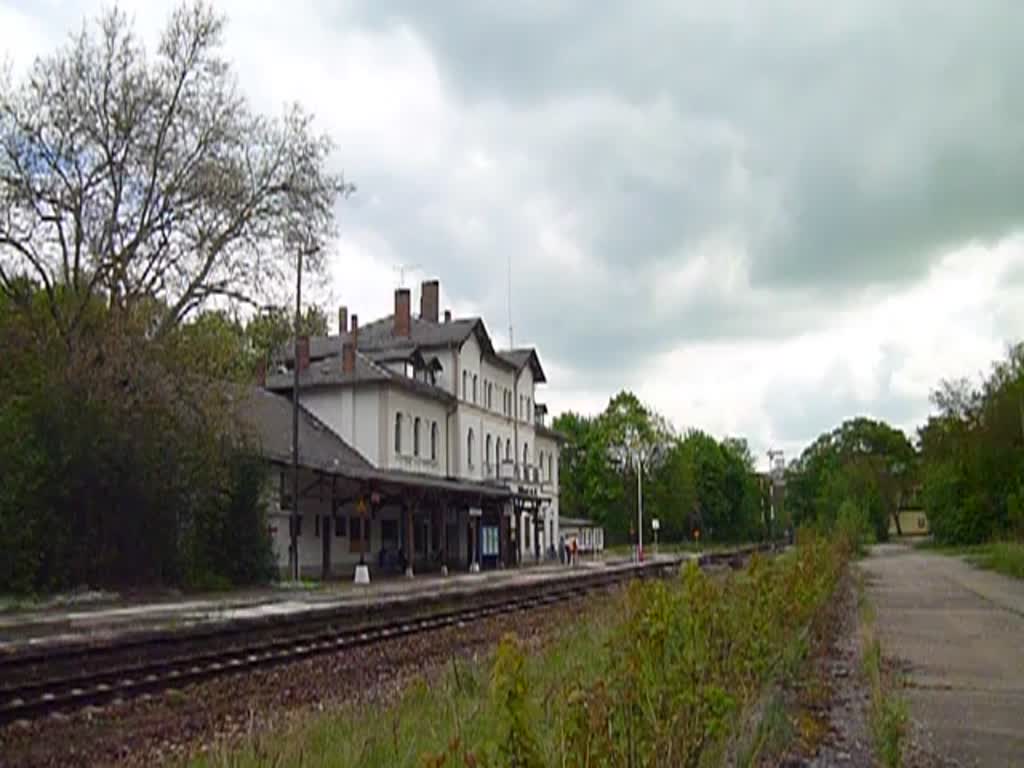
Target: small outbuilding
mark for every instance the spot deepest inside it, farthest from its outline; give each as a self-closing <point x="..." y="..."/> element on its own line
<point x="589" y="536"/>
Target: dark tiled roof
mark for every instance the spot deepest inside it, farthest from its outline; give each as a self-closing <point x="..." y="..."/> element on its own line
<point x="520" y="357"/>
<point x="548" y="432"/>
<point x="380" y="334"/>
<point x="266" y="419"/>
<point x="328" y="372"/>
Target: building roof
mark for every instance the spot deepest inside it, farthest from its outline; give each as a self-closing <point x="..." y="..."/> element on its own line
<point x="519" y="358"/>
<point x="328" y="372"/>
<point x="266" y="419"/>
<point x="578" y="522"/>
<point x="551" y="434"/>
<point x="380" y="334"/>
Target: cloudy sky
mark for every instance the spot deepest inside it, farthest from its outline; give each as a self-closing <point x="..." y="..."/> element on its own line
<point x="763" y="217"/>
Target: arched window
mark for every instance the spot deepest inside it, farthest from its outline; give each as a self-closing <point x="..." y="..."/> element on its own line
<point x="529" y="410"/>
<point x="416" y="437"/>
<point x="508" y="450"/>
<point x="474" y="389"/>
<point x="551" y="474"/>
<point x="540" y="462"/>
<point x="487" y="452"/>
<point x="465" y="385"/>
<point x="398" y="433"/>
<point x="469" y="447"/>
<point x="526" y="454"/>
<point x="433" y="441"/>
<point x="497" y="454"/>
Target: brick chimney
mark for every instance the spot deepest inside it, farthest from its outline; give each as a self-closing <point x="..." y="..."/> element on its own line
<point x="430" y="300"/>
<point x="447" y="315"/>
<point x="348" y="349"/>
<point x="303" y="353"/>
<point x="342" y="319"/>
<point x="403" y="312"/>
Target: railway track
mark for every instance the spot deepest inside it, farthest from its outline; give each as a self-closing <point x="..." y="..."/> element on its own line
<point x="156" y="667"/>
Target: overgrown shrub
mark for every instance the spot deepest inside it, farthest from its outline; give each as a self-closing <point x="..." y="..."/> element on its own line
<point x="854" y="525"/>
<point x="690" y="656"/>
<point x="120" y="464"/>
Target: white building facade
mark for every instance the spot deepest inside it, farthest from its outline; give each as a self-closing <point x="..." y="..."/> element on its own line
<point x="430" y="404"/>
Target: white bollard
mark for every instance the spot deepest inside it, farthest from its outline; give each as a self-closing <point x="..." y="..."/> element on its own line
<point x="362" y="574"/>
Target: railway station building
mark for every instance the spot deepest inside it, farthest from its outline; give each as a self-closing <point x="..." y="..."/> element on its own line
<point x="421" y="447"/>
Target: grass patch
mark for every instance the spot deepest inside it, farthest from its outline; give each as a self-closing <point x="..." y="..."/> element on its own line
<point x="666" y="674"/>
<point x="887" y="713"/>
<point x="1006" y="557"/>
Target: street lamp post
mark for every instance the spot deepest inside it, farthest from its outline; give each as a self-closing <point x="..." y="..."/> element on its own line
<point x="634" y="452"/>
<point x="639" y="507"/>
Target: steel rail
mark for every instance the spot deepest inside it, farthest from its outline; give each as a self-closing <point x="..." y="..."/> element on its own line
<point x="67" y="693"/>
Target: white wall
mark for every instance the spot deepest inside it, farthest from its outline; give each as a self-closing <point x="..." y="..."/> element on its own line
<point x="430" y="412"/>
<point x="549" y="484"/>
<point x="352" y="413"/>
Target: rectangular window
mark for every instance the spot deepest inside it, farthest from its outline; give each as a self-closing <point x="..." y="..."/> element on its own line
<point x="285" y="492"/>
<point x="489" y="545"/>
<point x="339" y="527"/>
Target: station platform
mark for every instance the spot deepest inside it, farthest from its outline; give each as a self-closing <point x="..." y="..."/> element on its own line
<point x="94" y="623"/>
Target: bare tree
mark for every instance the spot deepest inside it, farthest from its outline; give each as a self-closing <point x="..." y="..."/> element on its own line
<point x="150" y="181"/>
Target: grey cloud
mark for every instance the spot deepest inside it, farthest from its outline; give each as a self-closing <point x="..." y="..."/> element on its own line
<point x="799" y="417"/>
<point x="817" y="96"/>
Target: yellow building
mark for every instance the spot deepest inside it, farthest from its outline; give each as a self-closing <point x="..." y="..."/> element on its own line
<point x="913" y="522"/>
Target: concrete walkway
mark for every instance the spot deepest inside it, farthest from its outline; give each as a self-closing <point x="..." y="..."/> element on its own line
<point x="958" y="633"/>
<point x="94" y="622"/>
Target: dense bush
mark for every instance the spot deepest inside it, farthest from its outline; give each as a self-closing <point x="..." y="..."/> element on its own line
<point x="120" y="464"/>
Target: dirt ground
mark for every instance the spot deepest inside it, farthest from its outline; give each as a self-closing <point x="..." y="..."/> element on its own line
<point x="956" y="634"/>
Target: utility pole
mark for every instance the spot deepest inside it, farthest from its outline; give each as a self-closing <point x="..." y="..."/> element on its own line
<point x="294" y="520"/>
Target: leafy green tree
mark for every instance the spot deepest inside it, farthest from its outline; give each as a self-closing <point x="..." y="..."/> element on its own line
<point x="867" y="462"/>
<point x="690" y="482"/>
<point x="972" y="454"/>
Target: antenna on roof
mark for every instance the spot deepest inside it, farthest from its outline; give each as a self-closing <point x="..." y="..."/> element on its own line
<point x="511" y="343"/>
<point x="401" y="269"/>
